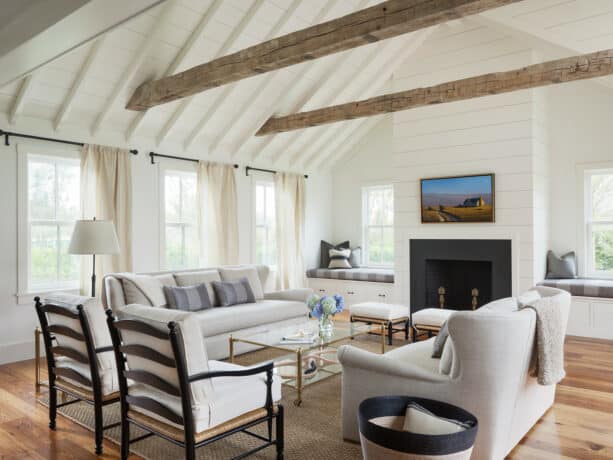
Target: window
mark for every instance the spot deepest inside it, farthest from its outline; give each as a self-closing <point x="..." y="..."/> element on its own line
<point x="53" y="205"/>
<point x="180" y="220"/>
<point x="265" y="244"/>
<point x="378" y="225"/>
<point x="599" y="217"/>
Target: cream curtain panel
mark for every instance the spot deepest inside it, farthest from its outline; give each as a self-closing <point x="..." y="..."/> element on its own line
<point x="106" y="193"/>
<point x="290" y="210"/>
<point x="218" y="214"/>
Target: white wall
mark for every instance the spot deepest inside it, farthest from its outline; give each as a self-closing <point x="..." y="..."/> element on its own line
<point x="18" y="321"/>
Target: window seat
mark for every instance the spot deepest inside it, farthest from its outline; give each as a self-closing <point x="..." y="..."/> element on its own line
<point x="583" y="287"/>
<point x="376" y="275"/>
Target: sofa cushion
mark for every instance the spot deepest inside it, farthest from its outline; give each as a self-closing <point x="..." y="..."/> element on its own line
<point x="198" y="277"/>
<point x="249" y="272"/>
<point x="234" y="292"/>
<point x="188" y="298"/>
<point x="419" y="354"/>
<point x="223" y="320"/>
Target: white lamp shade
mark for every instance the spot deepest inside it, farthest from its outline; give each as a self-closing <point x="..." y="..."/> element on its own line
<point x="94" y="237"/>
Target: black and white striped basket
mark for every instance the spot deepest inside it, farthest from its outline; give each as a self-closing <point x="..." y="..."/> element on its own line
<point x="386" y="439"/>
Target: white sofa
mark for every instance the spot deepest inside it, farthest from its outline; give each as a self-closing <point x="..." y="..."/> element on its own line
<point x="271" y="310"/>
<point x="491" y="352"/>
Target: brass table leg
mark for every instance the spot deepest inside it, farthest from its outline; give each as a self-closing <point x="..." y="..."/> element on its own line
<point x="298" y="400"/>
<point x="383" y="334"/>
<point x="231" y="349"/>
<point x="37" y="383"/>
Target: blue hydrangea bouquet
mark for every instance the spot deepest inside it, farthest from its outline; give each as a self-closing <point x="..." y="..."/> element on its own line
<point x="324" y="309"/>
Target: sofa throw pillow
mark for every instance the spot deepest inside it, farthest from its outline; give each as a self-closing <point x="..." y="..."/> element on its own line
<point x="143" y="290"/>
<point x="324" y="257"/>
<point x="355" y="259"/>
<point x="439" y="341"/>
<point x="339" y="258"/>
<point x="188" y="298"/>
<point x="248" y="271"/>
<point x="197" y="277"/>
<point x="563" y="267"/>
<point x="234" y="292"/>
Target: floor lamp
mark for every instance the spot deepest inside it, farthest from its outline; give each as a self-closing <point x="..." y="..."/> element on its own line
<point x="91" y="237"/>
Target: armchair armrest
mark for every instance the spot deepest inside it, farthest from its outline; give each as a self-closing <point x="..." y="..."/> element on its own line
<point x="253" y="370"/>
<point x="296" y="295"/>
<point x="380" y="364"/>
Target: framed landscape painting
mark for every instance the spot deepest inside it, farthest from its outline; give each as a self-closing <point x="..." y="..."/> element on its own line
<point x="458" y="199"/>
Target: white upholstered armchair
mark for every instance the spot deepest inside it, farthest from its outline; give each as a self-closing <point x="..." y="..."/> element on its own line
<point x="484" y="369"/>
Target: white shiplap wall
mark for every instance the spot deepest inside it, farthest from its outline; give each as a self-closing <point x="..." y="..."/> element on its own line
<point x="500" y="134"/>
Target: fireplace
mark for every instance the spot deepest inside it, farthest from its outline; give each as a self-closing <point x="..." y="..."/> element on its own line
<point x="465" y="272"/>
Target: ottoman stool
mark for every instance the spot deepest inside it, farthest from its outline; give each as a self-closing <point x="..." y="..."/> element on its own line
<point x="385" y="314"/>
<point x="430" y="319"/>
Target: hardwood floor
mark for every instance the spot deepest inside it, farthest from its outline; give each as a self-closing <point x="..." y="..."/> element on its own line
<point x="580" y="425"/>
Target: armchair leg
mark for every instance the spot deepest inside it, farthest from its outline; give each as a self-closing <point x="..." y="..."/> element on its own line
<point x="390" y="332"/>
<point x="98" y="425"/>
<point x="52" y="406"/>
<point x="125" y="438"/>
<point x="280" y="433"/>
<point x="406" y="330"/>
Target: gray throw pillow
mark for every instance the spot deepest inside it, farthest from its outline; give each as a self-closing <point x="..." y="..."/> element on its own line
<point x="234" y="292"/>
<point x="439" y="341"/>
<point x="188" y="298"/>
<point x="563" y="267"/>
<point x="324" y="257"/>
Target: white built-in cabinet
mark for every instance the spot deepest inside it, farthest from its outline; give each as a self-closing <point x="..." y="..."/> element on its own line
<point x="354" y="291"/>
<point x="591" y="317"/>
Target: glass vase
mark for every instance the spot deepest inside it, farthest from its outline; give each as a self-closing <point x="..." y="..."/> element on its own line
<point x="326" y="326"/>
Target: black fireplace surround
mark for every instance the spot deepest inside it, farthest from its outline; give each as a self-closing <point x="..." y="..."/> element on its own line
<point x="459" y="265"/>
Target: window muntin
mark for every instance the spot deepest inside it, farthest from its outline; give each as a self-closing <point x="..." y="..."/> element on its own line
<point x="265" y="223"/>
<point x="599" y="223"/>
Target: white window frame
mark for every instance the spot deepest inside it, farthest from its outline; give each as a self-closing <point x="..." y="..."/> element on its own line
<point x="589" y="224"/>
<point x="256" y="180"/>
<point x="365" y="226"/>
<point x="24" y="149"/>
<point x="172" y="167"/>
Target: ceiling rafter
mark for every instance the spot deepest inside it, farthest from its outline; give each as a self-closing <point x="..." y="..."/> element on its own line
<point x="348" y="142"/>
<point x="391" y="65"/>
<point x="269" y="81"/>
<point x="78" y="81"/>
<point x="314" y="89"/>
<point x="179" y="59"/>
<point x="135" y="62"/>
<point x="227" y="45"/>
<point x="20" y="99"/>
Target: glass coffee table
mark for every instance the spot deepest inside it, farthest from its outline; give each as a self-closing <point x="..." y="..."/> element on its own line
<point x="305" y="363"/>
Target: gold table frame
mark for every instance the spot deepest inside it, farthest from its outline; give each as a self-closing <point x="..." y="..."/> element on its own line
<point x="301" y="353"/>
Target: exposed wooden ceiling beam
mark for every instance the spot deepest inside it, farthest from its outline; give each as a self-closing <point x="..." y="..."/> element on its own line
<point x="135" y="63"/>
<point x="180" y="57"/>
<point x="574" y="68"/>
<point x="386" y="20"/>
<point x="228" y="44"/>
<point x="76" y="84"/>
<point x="20" y="99"/>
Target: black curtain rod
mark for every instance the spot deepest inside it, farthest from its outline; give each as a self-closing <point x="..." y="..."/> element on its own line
<point x="152" y="155"/>
<point x="8" y="134"/>
<point x="249" y="168"/>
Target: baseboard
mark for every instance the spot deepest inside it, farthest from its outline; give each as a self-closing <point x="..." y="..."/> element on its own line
<point x="13" y="352"/>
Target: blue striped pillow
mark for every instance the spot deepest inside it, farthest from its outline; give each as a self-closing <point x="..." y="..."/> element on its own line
<point x="234" y="292"/>
<point x="188" y="298"/>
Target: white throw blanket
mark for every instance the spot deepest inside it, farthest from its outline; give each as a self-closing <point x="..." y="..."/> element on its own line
<point x="550" y="332"/>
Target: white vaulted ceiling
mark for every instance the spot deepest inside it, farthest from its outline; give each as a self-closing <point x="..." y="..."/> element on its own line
<point x="82" y="94"/>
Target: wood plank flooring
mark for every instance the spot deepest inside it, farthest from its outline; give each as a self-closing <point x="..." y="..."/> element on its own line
<point x="579" y="425"/>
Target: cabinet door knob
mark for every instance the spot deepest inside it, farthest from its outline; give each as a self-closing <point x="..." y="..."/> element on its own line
<point x="382" y="295"/>
<point x="322" y="290"/>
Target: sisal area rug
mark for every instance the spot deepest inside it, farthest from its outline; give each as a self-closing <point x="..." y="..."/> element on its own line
<point x="312" y="431"/>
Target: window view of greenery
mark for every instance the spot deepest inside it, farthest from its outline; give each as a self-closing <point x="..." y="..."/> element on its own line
<point x="265" y="245"/>
<point x="379" y="225"/>
<point x="602" y="222"/>
<point x="181" y="218"/>
<point x="53" y="207"/>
